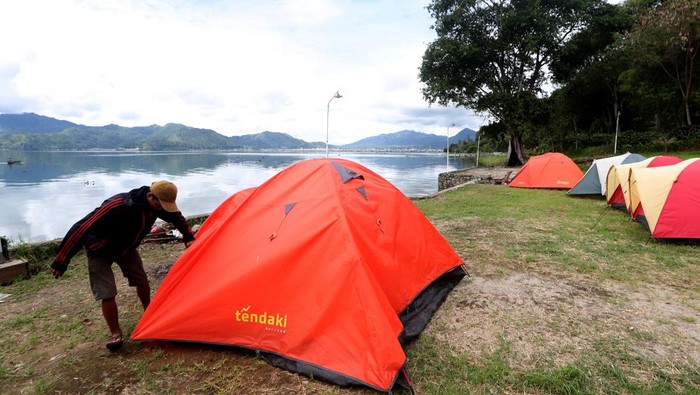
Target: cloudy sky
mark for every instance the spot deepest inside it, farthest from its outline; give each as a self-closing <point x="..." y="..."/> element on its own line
<point x="237" y="67"/>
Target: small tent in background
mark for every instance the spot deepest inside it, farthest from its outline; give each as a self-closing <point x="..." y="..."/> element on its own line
<point x="326" y="269"/>
<point x="594" y="180"/>
<point x="617" y="180"/>
<point x="551" y="170"/>
<point x="666" y="200"/>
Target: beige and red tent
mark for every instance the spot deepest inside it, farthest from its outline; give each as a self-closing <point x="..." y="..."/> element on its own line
<point x="552" y="170"/>
<point x="326" y="269"/>
<point x="617" y="180"/>
<point x="666" y="200"/>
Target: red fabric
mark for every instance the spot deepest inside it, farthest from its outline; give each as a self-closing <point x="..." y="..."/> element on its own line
<point x="617" y="196"/>
<point x="638" y="211"/>
<point x="328" y="278"/>
<point x="552" y="170"/>
<point x="664" y="160"/>
<point x="680" y="216"/>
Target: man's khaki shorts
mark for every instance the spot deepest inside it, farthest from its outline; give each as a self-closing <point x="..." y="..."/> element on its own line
<point x="102" y="277"/>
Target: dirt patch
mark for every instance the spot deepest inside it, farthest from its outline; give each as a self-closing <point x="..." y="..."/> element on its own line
<point x="560" y="318"/>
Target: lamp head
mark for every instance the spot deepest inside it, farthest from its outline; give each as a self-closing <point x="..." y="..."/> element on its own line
<point x="337" y="95"/>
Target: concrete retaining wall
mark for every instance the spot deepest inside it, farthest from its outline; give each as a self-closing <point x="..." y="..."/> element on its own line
<point x="452" y="179"/>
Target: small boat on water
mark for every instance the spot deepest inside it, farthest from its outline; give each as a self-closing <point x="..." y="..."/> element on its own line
<point x="11" y="161"/>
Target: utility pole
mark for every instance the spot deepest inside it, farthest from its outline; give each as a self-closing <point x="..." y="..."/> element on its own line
<point x="448" y="145"/>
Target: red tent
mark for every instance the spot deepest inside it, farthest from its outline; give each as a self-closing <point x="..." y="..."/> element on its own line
<point x="551" y="170"/>
<point x="326" y="269"/>
<point x="666" y="199"/>
<point x="617" y="180"/>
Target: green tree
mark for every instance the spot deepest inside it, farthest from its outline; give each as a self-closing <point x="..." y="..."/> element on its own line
<point x="589" y="67"/>
<point x="668" y="37"/>
<point x="493" y="56"/>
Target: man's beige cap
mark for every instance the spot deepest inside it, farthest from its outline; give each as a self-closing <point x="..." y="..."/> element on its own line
<point x="166" y="192"/>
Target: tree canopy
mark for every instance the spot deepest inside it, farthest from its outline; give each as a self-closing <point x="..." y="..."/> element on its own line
<point x="557" y="74"/>
<point x="494" y="57"/>
<point x="667" y="39"/>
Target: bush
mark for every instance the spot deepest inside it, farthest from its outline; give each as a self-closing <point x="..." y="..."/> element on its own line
<point x="679" y="139"/>
<point x="686" y="133"/>
<point x="38" y="255"/>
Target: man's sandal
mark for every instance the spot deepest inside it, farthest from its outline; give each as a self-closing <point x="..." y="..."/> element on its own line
<point x="115" y="342"/>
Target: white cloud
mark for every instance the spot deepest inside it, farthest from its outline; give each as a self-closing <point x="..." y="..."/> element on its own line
<point x="236" y="67"/>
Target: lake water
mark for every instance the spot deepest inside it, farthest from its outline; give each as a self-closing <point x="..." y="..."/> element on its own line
<point x="41" y="197"/>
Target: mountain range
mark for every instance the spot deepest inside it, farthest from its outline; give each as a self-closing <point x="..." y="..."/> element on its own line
<point x="29" y="131"/>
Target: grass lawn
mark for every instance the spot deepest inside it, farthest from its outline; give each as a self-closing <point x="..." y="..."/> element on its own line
<point x="565" y="296"/>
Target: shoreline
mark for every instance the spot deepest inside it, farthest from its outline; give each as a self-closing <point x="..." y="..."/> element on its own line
<point x="446" y="181"/>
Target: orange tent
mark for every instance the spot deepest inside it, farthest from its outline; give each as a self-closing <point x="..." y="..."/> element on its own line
<point x="326" y="269"/>
<point x="551" y="170"/>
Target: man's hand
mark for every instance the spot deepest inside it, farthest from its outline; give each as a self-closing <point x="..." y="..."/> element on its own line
<point x="56" y="273"/>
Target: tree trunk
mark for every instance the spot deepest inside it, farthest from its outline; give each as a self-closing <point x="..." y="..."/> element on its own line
<point x="516" y="152"/>
<point x="657" y="122"/>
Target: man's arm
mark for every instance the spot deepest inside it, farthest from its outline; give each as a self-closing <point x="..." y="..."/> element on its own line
<point x="75" y="238"/>
<point x="180" y="223"/>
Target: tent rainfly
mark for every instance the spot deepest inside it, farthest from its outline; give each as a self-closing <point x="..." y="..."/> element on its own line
<point x="594" y="180"/>
<point x="326" y="269"/>
<point x="666" y="200"/>
<point x="617" y="179"/>
<point x="552" y="170"/>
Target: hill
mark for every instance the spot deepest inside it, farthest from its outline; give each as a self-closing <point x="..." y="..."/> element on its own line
<point x="32" y="132"/>
<point x="33" y="123"/>
<point x="410" y="139"/>
<point x="464" y="134"/>
<point x="275" y="140"/>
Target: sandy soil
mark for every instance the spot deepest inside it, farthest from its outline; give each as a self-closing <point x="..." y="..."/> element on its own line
<point x="536" y="313"/>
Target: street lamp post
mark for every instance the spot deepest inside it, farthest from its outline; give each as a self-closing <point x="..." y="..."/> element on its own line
<point x="617" y="129"/>
<point x="328" y="114"/>
<point x="448" y="146"/>
<point x="478" y="143"/>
